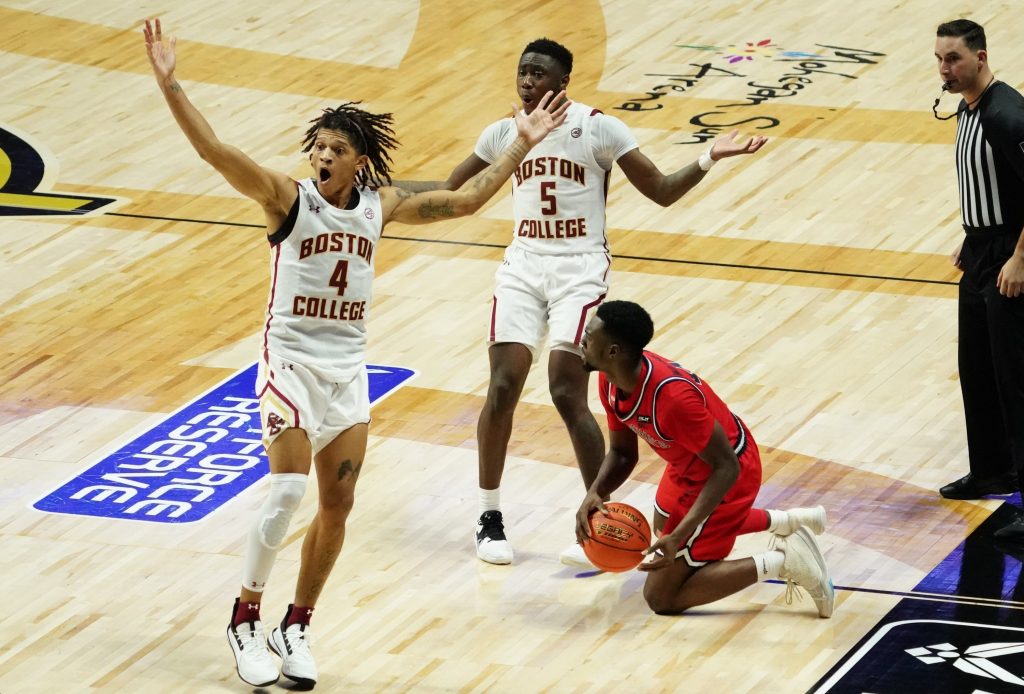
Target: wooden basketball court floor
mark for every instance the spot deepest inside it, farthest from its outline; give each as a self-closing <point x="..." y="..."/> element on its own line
<point x="810" y="284"/>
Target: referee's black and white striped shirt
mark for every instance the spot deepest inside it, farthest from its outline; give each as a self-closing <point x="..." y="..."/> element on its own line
<point x="990" y="161"/>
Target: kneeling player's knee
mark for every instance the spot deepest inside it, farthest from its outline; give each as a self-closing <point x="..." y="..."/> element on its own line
<point x="661" y="601"/>
<point x="286" y="492"/>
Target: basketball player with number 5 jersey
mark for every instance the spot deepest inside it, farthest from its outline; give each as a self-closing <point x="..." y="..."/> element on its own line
<point x="556" y="269"/>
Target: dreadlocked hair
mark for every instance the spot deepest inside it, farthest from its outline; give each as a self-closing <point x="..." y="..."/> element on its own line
<point x="370" y="134"/>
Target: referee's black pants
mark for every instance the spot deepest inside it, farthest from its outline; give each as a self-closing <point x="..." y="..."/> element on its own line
<point x="991" y="359"/>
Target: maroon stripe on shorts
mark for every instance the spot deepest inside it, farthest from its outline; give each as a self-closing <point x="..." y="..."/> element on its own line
<point x="284" y="399"/>
<point x="583" y="317"/>
<point x="494" y="311"/>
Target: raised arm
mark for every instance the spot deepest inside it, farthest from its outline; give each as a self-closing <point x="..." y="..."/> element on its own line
<point x="423" y="208"/>
<point x="273" y="190"/>
<point x="666" y="189"/>
<point x="470" y="166"/>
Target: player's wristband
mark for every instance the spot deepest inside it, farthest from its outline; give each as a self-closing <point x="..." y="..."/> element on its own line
<point x="705" y="162"/>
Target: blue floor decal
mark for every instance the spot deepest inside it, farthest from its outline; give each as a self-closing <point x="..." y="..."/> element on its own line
<point x="192" y="463"/>
<point x="964" y="634"/>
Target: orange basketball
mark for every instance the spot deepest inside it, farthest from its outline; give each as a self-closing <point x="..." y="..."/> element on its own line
<point x="617" y="540"/>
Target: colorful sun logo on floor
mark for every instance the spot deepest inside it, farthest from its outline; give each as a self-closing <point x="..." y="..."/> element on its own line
<point x="738" y="53"/>
<point x="764" y="47"/>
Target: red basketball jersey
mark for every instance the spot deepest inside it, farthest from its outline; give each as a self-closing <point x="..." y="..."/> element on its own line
<point x="674" y="411"/>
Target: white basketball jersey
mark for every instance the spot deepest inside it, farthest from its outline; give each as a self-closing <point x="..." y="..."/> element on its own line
<point x="321" y="277"/>
<point x="559" y="190"/>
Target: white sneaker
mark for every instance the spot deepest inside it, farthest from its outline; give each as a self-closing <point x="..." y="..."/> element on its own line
<point x="252" y="659"/>
<point x="805" y="566"/>
<point x="812" y="518"/>
<point x="573" y="555"/>
<point x="293" y="646"/>
<point x="491" y="544"/>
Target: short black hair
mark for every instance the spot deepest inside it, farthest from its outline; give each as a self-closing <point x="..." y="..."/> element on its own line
<point x="369" y="133"/>
<point x="972" y="33"/>
<point x="552" y="49"/>
<point x="628" y="324"/>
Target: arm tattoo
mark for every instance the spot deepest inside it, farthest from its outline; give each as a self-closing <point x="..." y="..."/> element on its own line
<point x="175" y="87"/>
<point x="517" y="150"/>
<point x="419" y="186"/>
<point x="483" y="180"/>
<point x="346" y="469"/>
<point x="430" y="210"/>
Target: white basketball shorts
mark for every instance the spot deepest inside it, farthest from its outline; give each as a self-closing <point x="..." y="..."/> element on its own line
<point x="294" y="397"/>
<point x="536" y="293"/>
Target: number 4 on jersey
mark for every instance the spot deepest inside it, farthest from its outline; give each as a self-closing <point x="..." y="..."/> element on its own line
<point x="339" y="278"/>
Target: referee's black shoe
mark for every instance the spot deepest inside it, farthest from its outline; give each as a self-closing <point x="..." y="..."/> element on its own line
<point x="1012" y="532"/>
<point x="969" y="487"/>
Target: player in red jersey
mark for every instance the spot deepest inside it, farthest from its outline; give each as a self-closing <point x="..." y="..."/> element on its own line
<point x="713" y="472"/>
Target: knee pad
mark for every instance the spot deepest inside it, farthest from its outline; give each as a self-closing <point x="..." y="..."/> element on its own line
<point x="286" y="492"/>
<point x="267" y="534"/>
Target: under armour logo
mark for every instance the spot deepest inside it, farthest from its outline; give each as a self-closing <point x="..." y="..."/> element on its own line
<point x="309" y="613"/>
<point x="274" y="424"/>
<point x="976" y="660"/>
<point x="314" y="208"/>
<point x="254" y="606"/>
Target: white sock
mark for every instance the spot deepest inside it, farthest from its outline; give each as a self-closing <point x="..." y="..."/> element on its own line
<point x="777" y="520"/>
<point x="490" y="500"/>
<point x="769" y="564"/>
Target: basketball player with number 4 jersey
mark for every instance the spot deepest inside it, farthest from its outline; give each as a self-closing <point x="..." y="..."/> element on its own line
<point x="312" y="384"/>
<point x="556" y="269"/>
<point x="712" y="475"/>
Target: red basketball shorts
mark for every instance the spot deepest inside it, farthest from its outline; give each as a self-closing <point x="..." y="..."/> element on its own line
<point x="715" y="535"/>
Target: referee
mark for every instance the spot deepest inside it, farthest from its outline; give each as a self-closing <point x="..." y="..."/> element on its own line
<point x="990" y="173"/>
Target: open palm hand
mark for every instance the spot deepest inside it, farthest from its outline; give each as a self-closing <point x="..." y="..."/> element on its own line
<point x="727" y="146"/>
<point x="161" y="55"/>
<point x="543" y="119"/>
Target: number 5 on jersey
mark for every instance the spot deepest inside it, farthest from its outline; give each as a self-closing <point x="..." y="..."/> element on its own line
<point x="547" y="197"/>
